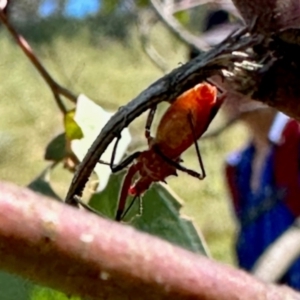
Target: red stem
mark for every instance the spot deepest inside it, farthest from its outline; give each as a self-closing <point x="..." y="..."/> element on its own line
<point x="23" y="44"/>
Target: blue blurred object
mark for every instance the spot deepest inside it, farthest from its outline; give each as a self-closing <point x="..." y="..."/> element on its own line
<point x="74" y="8"/>
<point x="266" y="213"/>
<point x="47" y="8"/>
<point x="81" y="8"/>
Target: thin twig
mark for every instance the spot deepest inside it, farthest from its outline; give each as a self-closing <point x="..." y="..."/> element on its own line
<point x="189" y="4"/>
<point x="145" y="23"/>
<point x="184" y="35"/>
<point x="56" y="89"/>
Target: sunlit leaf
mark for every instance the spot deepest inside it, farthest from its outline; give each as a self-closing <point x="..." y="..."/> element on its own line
<point x="183" y="17"/>
<point x="73" y="130"/>
<point x="109" y="6"/>
<point x="56" y="149"/>
<point x="42" y="293"/>
<point x="160" y="216"/>
<point x="142" y="3"/>
<point x="91" y="118"/>
<point x="41" y="184"/>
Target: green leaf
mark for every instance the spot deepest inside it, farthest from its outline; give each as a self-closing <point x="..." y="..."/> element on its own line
<point x="142" y="3"/>
<point x="73" y="130"/>
<point x="183" y="17"/>
<point x="14" y="288"/>
<point x="56" y="149"/>
<point x="108" y="6"/>
<point x="43" y="293"/>
<point x="160" y="214"/>
<point x="41" y="185"/>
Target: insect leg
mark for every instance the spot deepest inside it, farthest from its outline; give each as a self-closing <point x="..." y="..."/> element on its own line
<point x="124" y="191"/>
<point x="190" y="118"/>
<point x="129" y="159"/>
<point x="177" y="165"/>
<point x="149" y="123"/>
<point x="122" y="165"/>
<point x="111" y="163"/>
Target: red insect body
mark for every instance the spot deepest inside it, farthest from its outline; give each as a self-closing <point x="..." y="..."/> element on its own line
<point x="174" y="135"/>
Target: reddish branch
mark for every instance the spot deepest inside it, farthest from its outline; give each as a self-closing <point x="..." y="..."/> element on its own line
<point x="56" y="89"/>
<point x="78" y="253"/>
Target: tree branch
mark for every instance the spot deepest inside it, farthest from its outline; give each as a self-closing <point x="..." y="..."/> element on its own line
<point x="145" y="23"/>
<point x="56" y="89"/>
<point x="183" y="34"/>
<point x="189" y="4"/>
<point x="79" y="253"/>
<point x="271" y="15"/>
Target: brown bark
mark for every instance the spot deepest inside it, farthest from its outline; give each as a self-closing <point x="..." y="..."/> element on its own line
<point x="277" y="83"/>
<point x="271" y="14"/>
<point x="79" y="253"/>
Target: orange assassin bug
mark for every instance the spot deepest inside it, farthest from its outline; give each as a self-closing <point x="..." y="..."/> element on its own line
<point x="184" y="122"/>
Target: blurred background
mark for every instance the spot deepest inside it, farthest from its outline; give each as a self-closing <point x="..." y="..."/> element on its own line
<point x="95" y="47"/>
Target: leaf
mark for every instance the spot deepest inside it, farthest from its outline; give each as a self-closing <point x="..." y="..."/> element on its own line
<point x="43" y="293"/>
<point x="160" y="214"/>
<point x="73" y="131"/>
<point x="56" y="149"/>
<point x="14" y="288"/>
<point x="41" y="185"/>
<point x="91" y="118"/>
<point x="108" y="6"/>
<point x="142" y="3"/>
<point x="183" y="17"/>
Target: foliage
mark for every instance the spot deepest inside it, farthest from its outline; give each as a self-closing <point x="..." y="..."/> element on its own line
<point x="160" y="214"/>
<point x="13" y="287"/>
<point x="113" y="26"/>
